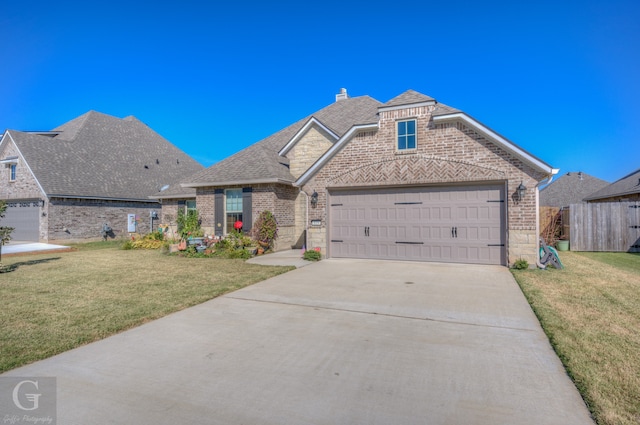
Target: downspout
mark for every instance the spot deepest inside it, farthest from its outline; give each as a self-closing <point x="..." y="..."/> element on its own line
<point x="546" y="180"/>
<point x="306" y="219"/>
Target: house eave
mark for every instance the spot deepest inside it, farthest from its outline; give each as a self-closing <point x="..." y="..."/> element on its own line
<point x="101" y="198"/>
<point x="237" y="182"/>
<point x="405" y="106"/>
<point x="502" y="141"/>
<point x="613" y="195"/>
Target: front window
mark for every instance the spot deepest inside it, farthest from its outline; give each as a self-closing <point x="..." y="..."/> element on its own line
<point x="406" y="135"/>
<point x="233" y="208"/>
<point x="12" y="172"/>
<point x="190" y="206"/>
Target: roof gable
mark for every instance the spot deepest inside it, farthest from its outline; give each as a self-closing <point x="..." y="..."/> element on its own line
<point x="409" y="97"/>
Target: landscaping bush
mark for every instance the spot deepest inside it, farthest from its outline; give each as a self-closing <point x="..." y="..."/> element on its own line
<point x="312" y="255"/>
<point x="521" y="264"/>
<point x="149" y="241"/>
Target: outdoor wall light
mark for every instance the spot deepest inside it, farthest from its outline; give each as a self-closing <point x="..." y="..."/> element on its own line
<point x="314" y="199"/>
<point x="42" y="202"/>
<point x="521" y="191"/>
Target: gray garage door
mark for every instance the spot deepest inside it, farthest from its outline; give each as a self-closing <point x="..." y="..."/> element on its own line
<point x="446" y="224"/>
<point x="24" y="216"/>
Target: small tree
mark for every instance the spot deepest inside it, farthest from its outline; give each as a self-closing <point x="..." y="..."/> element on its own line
<point x="5" y="232"/>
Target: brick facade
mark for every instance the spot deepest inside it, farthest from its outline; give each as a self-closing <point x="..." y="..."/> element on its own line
<point x="75" y="219"/>
<point x="280" y="199"/>
<point x="446" y="153"/>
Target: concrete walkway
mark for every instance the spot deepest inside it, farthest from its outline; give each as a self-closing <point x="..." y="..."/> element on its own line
<point x="335" y="342"/>
<point x="291" y="257"/>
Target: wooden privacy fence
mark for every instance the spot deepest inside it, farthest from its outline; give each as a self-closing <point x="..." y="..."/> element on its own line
<point x="605" y="226"/>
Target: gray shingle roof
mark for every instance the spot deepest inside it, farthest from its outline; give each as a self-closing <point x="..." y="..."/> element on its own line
<point x="628" y="185"/>
<point x="409" y="97"/>
<point x="261" y="162"/>
<point x="100" y="156"/>
<point x="570" y="189"/>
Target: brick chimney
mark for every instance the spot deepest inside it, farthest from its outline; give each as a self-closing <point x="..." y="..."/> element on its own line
<point x="342" y="95"/>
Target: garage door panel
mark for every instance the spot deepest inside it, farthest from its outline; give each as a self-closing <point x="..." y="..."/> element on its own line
<point x="449" y="224"/>
<point x="24" y="217"/>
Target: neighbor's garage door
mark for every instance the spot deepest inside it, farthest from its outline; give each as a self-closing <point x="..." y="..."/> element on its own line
<point x="24" y="216"/>
<point x="447" y="224"/>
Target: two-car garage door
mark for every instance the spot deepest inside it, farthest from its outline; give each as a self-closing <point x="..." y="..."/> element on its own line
<point x="447" y="224"/>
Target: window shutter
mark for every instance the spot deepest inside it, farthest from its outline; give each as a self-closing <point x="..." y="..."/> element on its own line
<point x="247" y="219"/>
<point x="218" y="207"/>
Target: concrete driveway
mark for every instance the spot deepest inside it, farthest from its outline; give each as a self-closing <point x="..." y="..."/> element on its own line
<point x="337" y="342"/>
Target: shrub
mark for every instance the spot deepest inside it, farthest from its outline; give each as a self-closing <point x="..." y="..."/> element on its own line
<point x="265" y="228"/>
<point x="312" y="255"/>
<point x="521" y="264"/>
<point x="189" y="224"/>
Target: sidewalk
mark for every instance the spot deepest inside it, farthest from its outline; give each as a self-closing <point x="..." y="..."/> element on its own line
<point x="291" y="257"/>
<point x="19" y="247"/>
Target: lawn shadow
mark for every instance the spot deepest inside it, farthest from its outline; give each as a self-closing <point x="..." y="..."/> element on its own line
<point x="14" y="266"/>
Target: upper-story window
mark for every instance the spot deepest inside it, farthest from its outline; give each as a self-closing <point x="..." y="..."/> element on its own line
<point x="406" y="135"/>
<point x="12" y="172"/>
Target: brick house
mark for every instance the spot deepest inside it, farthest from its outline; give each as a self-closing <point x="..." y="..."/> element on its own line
<point x="410" y="179"/>
<point x="66" y="183"/>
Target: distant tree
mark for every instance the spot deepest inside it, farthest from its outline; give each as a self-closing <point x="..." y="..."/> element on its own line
<point x="5" y="232"/>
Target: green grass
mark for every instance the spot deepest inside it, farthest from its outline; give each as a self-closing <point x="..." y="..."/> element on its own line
<point x="55" y="302"/>
<point x="621" y="260"/>
<point x="591" y="313"/>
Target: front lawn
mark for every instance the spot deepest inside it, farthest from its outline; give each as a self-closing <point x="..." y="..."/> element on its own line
<point x="55" y="302"/>
<point x="591" y="314"/>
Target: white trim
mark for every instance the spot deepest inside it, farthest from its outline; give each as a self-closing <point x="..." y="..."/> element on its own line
<point x="332" y="151"/>
<point x="407" y="106"/>
<point x="236" y="182"/>
<point x="415" y="136"/>
<point x="504" y="143"/>
<point x="9" y="161"/>
<point x="296" y="137"/>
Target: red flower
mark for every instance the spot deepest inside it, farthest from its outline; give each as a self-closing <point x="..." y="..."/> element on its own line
<point x="237" y="225"/>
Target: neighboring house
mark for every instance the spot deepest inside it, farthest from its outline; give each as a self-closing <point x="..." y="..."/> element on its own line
<point x="410" y="179"/>
<point x="569" y="189"/>
<point x="625" y="189"/>
<point x="65" y="184"/>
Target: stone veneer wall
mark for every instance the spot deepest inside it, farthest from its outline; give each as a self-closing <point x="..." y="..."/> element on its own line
<point x="307" y="150"/>
<point x="75" y="219"/>
<point x="446" y="153"/>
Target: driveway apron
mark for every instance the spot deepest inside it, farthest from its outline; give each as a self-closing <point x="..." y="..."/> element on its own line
<point x="336" y="342"/>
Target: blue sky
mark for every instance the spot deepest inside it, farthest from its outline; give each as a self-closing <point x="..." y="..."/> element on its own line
<point x="560" y="79"/>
